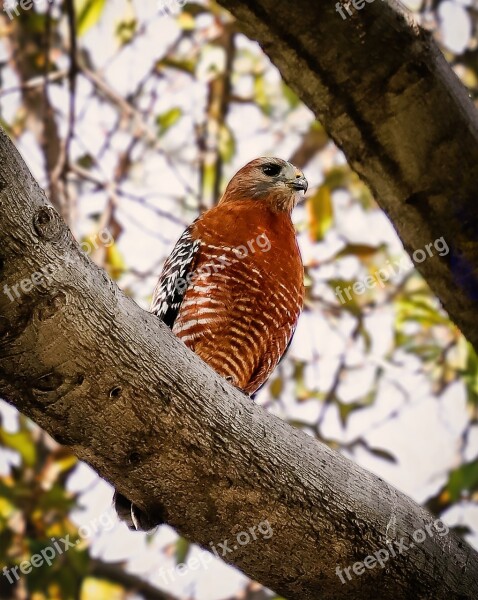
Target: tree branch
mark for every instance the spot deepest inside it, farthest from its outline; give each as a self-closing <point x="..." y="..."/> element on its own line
<point x="115" y="572"/>
<point x="111" y="381"/>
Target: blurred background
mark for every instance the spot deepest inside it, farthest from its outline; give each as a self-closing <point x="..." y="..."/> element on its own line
<point x="133" y="115"/>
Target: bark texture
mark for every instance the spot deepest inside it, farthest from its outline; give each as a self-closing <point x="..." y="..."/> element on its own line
<point x="388" y="98"/>
<point x="109" y="380"/>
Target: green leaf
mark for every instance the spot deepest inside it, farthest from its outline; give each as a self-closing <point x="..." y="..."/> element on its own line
<point x="470" y="374"/>
<point x="343" y="290"/>
<point x="182" y="550"/>
<point x="56" y="499"/>
<point x="420" y="310"/>
<point x="463" y="479"/>
<point x="183" y="65"/>
<point x="167" y="119"/>
<point x="196" y="9"/>
<point x="276" y="387"/>
<point x="126" y="30"/>
<point x="345" y="410"/>
<point x="227" y="143"/>
<point x="21" y="442"/>
<point x="86" y="161"/>
<point x="301" y="391"/>
<point x="88" y="13"/>
<point x="260" y="94"/>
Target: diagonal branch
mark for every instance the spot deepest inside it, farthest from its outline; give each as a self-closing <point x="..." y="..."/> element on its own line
<point x="112" y="382"/>
<point x="115" y="572"/>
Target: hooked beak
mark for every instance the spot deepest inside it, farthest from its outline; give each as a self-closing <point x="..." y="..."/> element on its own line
<point x="300" y="183"/>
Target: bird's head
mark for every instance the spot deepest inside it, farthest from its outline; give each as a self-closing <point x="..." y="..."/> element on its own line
<point x="271" y="180"/>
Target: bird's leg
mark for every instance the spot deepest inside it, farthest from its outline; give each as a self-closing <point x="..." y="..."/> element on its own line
<point x="133" y="516"/>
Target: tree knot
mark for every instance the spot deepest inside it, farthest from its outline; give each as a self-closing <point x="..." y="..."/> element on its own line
<point x="47" y="223"/>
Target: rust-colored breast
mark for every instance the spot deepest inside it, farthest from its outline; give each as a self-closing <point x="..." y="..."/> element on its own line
<point x="246" y="293"/>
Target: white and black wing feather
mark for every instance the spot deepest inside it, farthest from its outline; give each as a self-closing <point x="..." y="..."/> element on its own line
<point x="172" y="285"/>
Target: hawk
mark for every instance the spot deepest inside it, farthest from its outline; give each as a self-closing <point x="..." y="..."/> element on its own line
<point x="233" y="287"/>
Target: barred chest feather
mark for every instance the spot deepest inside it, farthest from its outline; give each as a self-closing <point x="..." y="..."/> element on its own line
<point x="244" y="297"/>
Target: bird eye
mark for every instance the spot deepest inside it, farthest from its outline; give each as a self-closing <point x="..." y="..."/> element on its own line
<point x="271" y="169"/>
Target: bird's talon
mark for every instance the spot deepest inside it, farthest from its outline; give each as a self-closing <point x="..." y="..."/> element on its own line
<point x="134" y="518"/>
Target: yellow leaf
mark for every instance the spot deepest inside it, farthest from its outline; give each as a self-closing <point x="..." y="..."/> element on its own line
<point x="23" y="443"/>
<point x="276" y="387"/>
<point x="227" y="143"/>
<point x="114" y="262"/>
<point x="92" y="589"/>
<point x="6" y="508"/>
<point x="186" y="21"/>
<point x="166" y="120"/>
<point x="88" y="13"/>
<point x="320" y="212"/>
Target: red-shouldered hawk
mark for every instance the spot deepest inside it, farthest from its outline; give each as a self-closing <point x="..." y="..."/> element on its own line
<point x="233" y="287"/>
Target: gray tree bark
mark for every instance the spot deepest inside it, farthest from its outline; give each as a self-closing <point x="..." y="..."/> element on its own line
<point x="112" y="382"/>
<point x="386" y="95"/>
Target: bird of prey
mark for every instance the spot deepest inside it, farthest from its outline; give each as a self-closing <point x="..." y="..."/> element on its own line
<point x="233" y="287"/>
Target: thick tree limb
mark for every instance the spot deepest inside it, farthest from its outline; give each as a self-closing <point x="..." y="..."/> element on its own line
<point x="386" y="95"/>
<point x="112" y="382"/>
